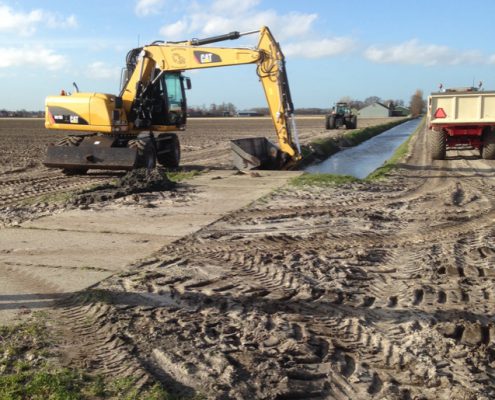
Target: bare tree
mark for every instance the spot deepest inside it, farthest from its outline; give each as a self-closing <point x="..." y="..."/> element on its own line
<point x="345" y="99"/>
<point x="417" y="104"/>
<point x="372" y="100"/>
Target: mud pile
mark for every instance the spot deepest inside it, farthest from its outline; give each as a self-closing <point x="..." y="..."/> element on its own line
<point x="134" y="182"/>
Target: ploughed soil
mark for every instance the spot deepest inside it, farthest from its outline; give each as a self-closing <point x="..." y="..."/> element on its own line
<point x="378" y="290"/>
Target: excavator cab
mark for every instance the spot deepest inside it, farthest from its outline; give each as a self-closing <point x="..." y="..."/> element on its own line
<point x="169" y="100"/>
<point x="162" y="102"/>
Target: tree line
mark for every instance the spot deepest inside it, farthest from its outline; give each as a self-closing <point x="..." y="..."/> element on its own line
<point x="417" y="106"/>
<point x="21" y="114"/>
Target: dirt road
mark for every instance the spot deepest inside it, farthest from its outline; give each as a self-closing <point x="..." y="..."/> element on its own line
<point x="363" y="291"/>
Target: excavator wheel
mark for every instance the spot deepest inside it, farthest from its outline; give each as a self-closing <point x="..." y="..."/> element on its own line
<point x="72" y="141"/>
<point x="146" y="152"/>
<point x="488" y="149"/>
<point x="170" y="158"/>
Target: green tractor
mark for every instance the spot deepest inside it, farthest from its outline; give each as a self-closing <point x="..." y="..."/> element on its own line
<point x="341" y="115"/>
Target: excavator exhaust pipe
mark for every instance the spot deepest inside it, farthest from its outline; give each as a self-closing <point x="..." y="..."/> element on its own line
<point x="255" y="153"/>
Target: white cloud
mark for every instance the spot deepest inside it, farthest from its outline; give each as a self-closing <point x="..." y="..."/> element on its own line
<point x="55" y="21"/>
<point x="321" y="48"/>
<point x="37" y="56"/>
<point x="223" y="16"/>
<point x="144" y="8"/>
<point x="174" y="31"/>
<point x="26" y="23"/>
<point x="101" y="70"/>
<point x="415" y="53"/>
<point x="233" y="6"/>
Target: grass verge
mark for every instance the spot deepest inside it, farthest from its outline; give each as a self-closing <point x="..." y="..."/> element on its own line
<point x="29" y="371"/>
<point x="323" y="180"/>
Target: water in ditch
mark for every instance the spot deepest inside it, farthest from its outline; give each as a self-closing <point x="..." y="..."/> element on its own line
<point x="361" y="160"/>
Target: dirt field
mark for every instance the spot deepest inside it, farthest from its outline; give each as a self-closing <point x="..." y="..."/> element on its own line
<point x="363" y="291"/>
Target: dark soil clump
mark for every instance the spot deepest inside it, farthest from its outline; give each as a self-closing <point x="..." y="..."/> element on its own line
<point x="136" y="181"/>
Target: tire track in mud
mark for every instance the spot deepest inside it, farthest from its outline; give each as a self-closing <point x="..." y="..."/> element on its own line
<point x="15" y="190"/>
<point x="366" y="291"/>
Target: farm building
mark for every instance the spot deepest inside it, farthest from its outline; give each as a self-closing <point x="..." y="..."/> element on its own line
<point x="375" y="110"/>
<point x="400" y="111"/>
<point x="379" y="110"/>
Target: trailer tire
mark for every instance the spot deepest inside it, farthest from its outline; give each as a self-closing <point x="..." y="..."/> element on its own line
<point x="437" y="144"/>
<point x="488" y="150"/>
<point x="171" y="159"/>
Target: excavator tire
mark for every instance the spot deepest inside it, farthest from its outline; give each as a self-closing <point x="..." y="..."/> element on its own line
<point x="488" y="149"/>
<point x="171" y="159"/>
<point x="72" y="141"/>
<point x="146" y="152"/>
<point x="438" y="144"/>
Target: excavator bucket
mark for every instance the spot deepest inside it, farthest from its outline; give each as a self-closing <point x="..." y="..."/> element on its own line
<point x="255" y="153"/>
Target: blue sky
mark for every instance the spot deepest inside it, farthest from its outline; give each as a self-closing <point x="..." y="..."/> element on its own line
<point x="333" y="48"/>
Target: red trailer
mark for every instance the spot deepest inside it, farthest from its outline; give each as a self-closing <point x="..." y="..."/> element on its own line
<point x="460" y="119"/>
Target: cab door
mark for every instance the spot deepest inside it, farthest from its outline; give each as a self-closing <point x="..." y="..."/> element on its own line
<point x="175" y="101"/>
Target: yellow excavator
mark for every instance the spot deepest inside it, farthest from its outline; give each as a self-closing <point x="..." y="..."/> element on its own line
<point x="135" y="129"/>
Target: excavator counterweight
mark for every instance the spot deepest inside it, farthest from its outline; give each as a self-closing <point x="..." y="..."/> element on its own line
<point x="137" y="127"/>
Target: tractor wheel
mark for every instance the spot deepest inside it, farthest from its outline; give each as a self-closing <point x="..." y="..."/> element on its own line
<point x="488" y="149"/>
<point x="353" y="122"/>
<point x="438" y="144"/>
<point x="327" y="122"/>
<point x="146" y="152"/>
<point x="170" y="159"/>
<point x="331" y="122"/>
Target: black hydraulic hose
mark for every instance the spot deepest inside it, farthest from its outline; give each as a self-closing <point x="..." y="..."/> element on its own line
<point x="285" y="88"/>
<point x="213" y="39"/>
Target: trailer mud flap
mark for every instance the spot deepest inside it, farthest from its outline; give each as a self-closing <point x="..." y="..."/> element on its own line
<point x="90" y="157"/>
<point x="251" y="153"/>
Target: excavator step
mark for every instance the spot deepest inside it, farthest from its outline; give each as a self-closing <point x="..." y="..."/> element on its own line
<point x="251" y="153"/>
<point x="90" y="157"/>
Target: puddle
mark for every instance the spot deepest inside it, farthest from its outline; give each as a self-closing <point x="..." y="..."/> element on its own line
<point x="361" y="160"/>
